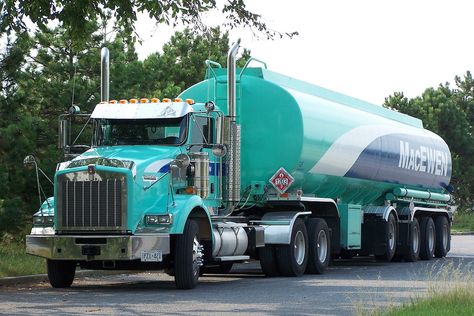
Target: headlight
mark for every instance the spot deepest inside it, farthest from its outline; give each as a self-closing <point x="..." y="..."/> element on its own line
<point x="158" y="219"/>
<point x="43" y="220"/>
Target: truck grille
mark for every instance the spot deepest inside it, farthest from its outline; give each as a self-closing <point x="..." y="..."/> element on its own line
<point x="91" y="205"/>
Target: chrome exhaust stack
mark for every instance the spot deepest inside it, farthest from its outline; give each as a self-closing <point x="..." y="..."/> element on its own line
<point x="232" y="136"/>
<point x="104" y="74"/>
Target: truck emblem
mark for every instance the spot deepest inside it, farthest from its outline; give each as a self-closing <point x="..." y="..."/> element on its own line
<point x="168" y="111"/>
<point x="281" y="180"/>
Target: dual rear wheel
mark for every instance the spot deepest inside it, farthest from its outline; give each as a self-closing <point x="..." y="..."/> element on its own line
<point x="308" y="251"/>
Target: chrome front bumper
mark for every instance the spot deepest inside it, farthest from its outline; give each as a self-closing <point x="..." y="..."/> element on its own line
<point x="78" y="247"/>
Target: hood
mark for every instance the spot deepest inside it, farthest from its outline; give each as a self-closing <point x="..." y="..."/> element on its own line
<point x="146" y="159"/>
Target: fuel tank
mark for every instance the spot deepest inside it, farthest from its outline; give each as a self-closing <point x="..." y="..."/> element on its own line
<point x="333" y="145"/>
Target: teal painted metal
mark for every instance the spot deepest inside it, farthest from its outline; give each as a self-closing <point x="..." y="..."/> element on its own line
<point x="333" y="145"/>
<point x="351" y="220"/>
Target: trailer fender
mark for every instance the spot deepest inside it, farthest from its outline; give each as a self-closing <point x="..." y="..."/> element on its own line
<point x="279" y="225"/>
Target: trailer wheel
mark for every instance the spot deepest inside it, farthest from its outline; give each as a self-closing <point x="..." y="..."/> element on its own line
<point x="413" y="246"/>
<point x="61" y="272"/>
<point x="293" y="258"/>
<point x="428" y="238"/>
<point x="390" y="239"/>
<point x="443" y="236"/>
<point x="188" y="256"/>
<point x="319" y="246"/>
<point x="268" y="261"/>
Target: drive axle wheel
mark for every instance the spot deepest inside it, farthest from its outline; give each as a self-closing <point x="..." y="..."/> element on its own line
<point x="188" y="256"/>
<point x="268" y="260"/>
<point x="61" y="272"/>
<point x="319" y="246"/>
<point x="293" y="258"/>
<point x="428" y="238"/>
<point x="390" y="239"/>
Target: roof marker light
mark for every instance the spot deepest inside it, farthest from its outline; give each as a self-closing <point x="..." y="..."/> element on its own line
<point x="133" y="100"/>
<point x="155" y="100"/>
<point x="113" y="101"/>
<point x="178" y="100"/>
<point x="144" y="100"/>
<point x="166" y="100"/>
<point x="190" y="101"/>
<point x="123" y="101"/>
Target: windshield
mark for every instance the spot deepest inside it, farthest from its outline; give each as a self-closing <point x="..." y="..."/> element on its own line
<point x="110" y="132"/>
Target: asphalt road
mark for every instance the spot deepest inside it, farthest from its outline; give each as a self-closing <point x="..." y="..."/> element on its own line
<point x="348" y="286"/>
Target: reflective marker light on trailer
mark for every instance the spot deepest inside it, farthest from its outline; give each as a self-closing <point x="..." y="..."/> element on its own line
<point x="155" y="100"/>
<point x="123" y="101"/>
<point x="144" y="100"/>
<point x="133" y="101"/>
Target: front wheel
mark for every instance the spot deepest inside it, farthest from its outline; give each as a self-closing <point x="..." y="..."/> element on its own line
<point x="293" y="258"/>
<point x="319" y="246"/>
<point x="188" y="257"/>
<point x="61" y="272"/>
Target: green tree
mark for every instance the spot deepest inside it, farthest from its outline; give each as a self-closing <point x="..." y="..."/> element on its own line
<point x="73" y="14"/>
<point x="449" y="112"/>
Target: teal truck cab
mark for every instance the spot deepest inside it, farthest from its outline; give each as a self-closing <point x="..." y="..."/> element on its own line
<point x="242" y="166"/>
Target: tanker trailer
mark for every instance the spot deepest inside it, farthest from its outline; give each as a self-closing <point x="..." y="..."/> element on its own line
<point x="247" y="164"/>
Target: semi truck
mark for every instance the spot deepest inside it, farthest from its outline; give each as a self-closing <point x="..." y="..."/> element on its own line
<point x="245" y="165"/>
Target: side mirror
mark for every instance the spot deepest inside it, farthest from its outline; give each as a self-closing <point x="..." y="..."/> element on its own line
<point x="182" y="161"/>
<point x="64" y="135"/>
<point x="219" y="150"/>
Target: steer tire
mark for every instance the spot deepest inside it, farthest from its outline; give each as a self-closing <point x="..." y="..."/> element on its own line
<point x="413" y="243"/>
<point x="268" y="260"/>
<point x="428" y="238"/>
<point x="60" y="272"/>
<point x="186" y="267"/>
<point x="319" y="244"/>
<point x="443" y="236"/>
<point x="293" y="258"/>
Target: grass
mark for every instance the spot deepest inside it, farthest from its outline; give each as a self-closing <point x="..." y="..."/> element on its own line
<point x="15" y="262"/>
<point x="463" y="222"/>
<point x="458" y="301"/>
<point x="450" y="292"/>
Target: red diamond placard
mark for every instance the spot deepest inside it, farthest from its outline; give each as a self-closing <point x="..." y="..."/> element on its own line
<point x="281" y="180"/>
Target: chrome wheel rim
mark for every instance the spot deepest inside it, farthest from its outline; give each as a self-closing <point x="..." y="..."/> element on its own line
<point x="391" y="234"/>
<point x="415" y="243"/>
<point x="299" y="248"/>
<point x="322" y="246"/>
<point x="431" y="235"/>
<point x="445" y="236"/>
<point x="197" y="256"/>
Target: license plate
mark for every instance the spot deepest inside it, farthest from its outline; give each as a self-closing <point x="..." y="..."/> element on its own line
<point x="151" y="256"/>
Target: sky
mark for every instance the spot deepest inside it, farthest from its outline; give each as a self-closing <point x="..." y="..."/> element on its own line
<point x="367" y="49"/>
